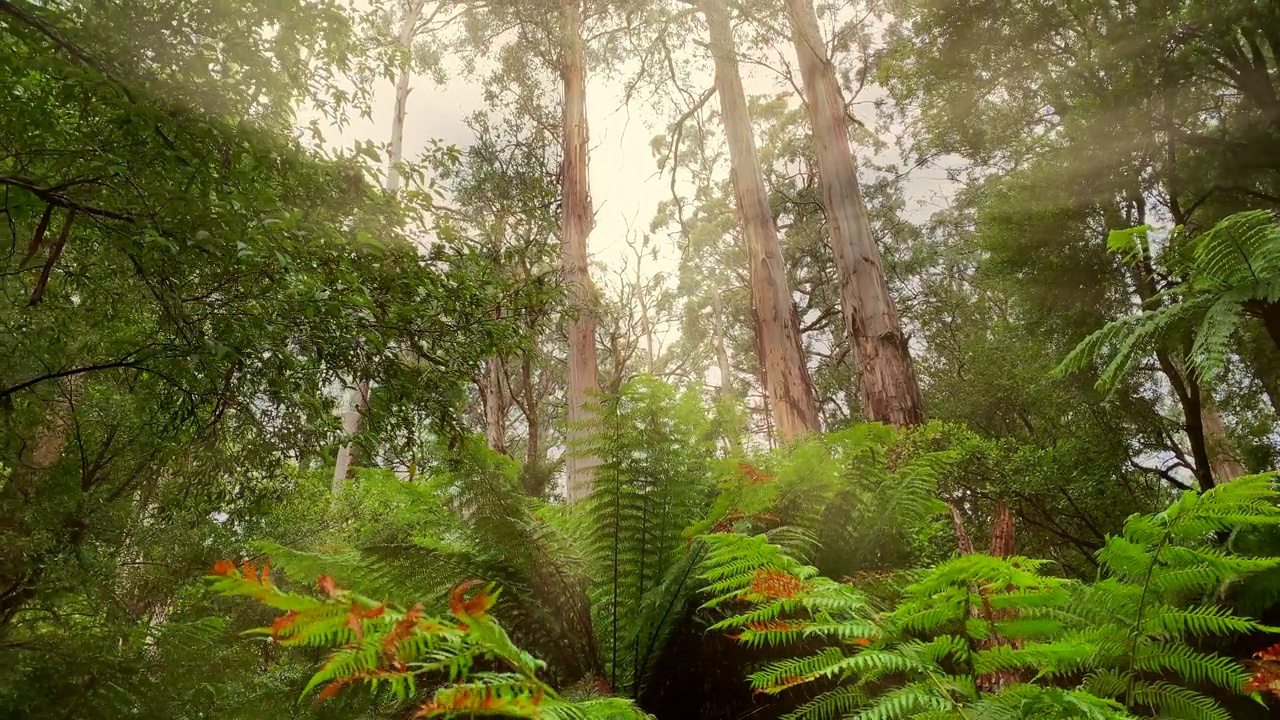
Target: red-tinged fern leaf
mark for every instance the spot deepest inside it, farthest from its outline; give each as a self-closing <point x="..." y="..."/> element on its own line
<point x="402" y="628"/>
<point x="332" y="689"/>
<point x="480" y="700"/>
<point x="1266" y="671"/>
<point x="357" y="614"/>
<point x="774" y="584"/>
<point x="282" y="623"/>
<point x="327" y="585"/>
<point x="753" y="475"/>
<point x="787" y="682"/>
<point x="476" y="606"/>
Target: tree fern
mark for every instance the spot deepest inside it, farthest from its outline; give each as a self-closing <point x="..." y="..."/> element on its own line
<point x="467" y="520"/>
<point x="655" y="446"/>
<point x="1233" y="271"/>
<point x="980" y="636"/>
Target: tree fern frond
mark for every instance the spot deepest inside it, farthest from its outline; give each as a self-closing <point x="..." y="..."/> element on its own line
<point x="907" y="702"/>
<point x="831" y="705"/>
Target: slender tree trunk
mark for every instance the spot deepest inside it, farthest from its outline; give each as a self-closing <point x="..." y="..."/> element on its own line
<point x="785" y="373"/>
<point x="495" y="405"/>
<point x="646" y="329"/>
<point x="357" y="400"/>
<point x="727" y="394"/>
<point x="532" y="416"/>
<point x="722" y="350"/>
<point x="494" y="389"/>
<point x="1184" y="384"/>
<point x="575" y="225"/>
<point x="886" y="378"/>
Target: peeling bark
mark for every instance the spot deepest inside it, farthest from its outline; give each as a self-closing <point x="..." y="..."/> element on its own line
<point x="575" y="225"/>
<point x="886" y="378"/>
<point x="786" y="376"/>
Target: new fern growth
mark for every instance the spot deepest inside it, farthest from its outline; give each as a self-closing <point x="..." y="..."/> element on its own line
<point x="464" y="660"/>
<point x="986" y="637"/>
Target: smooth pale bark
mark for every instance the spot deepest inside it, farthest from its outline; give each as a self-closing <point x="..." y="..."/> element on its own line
<point x="886" y="378"/>
<point x="722" y="349"/>
<point x="495" y="405"/>
<point x="1223" y="457"/>
<point x="575" y="225"/>
<point x="727" y="393"/>
<point x="357" y="399"/>
<point x="785" y="373"/>
<point x="494" y="390"/>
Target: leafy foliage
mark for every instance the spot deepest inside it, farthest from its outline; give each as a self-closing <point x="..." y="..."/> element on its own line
<point x="475" y="667"/>
<point x="655" y="445"/>
<point x="1233" y="271"/>
<point x="980" y="636"/>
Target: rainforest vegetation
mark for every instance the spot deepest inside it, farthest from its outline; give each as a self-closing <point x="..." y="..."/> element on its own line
<point x="609" y="359"/>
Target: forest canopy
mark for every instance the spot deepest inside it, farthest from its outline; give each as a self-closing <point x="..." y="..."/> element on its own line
<point x="935" y="373"/>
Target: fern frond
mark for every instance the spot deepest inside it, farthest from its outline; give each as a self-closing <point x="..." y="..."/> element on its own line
<point x="910" y="701"/>
<point x="831" y="705"/>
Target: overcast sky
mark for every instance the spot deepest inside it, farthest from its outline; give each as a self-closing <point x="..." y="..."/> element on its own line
<point x="625" y="186"/>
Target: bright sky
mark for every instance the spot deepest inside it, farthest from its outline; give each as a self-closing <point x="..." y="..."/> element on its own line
<point x="625" y="186"/>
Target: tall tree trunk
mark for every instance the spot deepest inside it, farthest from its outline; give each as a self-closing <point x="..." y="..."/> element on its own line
<point x="722" y="350"/>
<point x="575" y="225"/>
<point x="357" y="400"/>
<point x="1223" y="457"/>
<point x="495" y="392"/>
<point x="785" y="373"/>
<point x="886" y="378"/>
<point x="495" y="405"/>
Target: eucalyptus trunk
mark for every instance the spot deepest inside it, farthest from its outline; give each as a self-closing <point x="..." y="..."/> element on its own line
<point x="495" y="405"/>
<point x="887" y="380"/>
<point x="357" y="400"/>
<point x="786" y="377"/>
<point x="1224" y="459"/>
<point x="575" y="225"/>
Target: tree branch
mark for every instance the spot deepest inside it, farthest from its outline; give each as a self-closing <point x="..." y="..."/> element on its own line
<point x="53" y="197"/>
